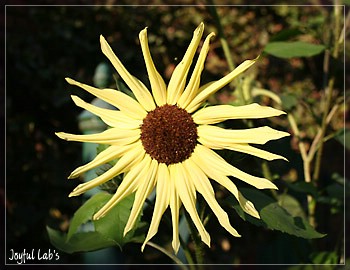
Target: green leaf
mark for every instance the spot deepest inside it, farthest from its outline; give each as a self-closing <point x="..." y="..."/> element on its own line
<point x="284" y="49"/>
<point x="303" y="187"/>
<point x="86" y="211"/>
<point x="289" y="101"/>
<point x="274" y="217"/>
<point x="112" y="225"/>
<point x="343" y="136"/>
<point x="324" y="257"/>
<point x="79" y="242"/>
<point x="286" y="34"/>
<point x="108" y="230"/>
<point x="292" y="205"/>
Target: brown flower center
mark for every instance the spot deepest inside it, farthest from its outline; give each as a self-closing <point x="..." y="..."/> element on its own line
<point x="168" y="134"/>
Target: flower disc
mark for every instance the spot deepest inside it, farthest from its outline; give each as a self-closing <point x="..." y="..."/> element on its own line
<point x="169" y="134"/>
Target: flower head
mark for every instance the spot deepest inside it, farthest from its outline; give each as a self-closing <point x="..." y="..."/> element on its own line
<point x="163" y="140"/>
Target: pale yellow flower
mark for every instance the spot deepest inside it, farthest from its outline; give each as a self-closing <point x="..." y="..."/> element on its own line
<point x="163" y="140"/>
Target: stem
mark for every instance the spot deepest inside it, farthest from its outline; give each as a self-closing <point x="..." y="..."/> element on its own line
<point x="329" y="90"/>
<point x="223" y="40"/>
<point x="170" y="255"/>
<point x="198" y="244"/>
<point x="187" y="254"/>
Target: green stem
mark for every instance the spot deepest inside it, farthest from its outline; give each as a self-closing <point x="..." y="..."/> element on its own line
<point x="198" y="244"/>
<point x="225" y="46"/>
<point x="187" y="254"/>
<point x="223" y="40"/>
<point x="329" y="89"/>
<point x="170" y="255"/>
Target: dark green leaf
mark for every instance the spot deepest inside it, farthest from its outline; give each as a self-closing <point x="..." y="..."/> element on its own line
<point x="79" y="242"/>
<point x="112" y="225"/>
<point x="324" y="257"/>
<point x="289" y="101"/>
<point x="86" y="211"/>
<point x="274" y="217"/>
<point x="344" y="137"/>
<point x="286" y="34"/>
<point x="293" y="49"/>
<point x="303" y="187"/>
<point x="292" y="205"/>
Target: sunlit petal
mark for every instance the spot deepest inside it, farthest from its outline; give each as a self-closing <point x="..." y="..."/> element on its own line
<point x="246" y="148"/>
<point x="177" y="81"/>
<point x="163" y="192"/>
<point x="214" y="87"/>
<point x="116" y="98"/>
<point x="112" y="136"/>
<point x="124" y="164"/>
<point x="213" y="136"/>
<point x="214" y="165"/>
<point x="187" y="193"/>
<point x="202" y="184"/>
<point x="129" y="184"/>
<point x="137" y="87"/>
<point x="175" y="208"/>
<point x="143" y="191"/>
<point x="157" y="83"/>
<point x="219" y="113"/>
<point x="112" y="152"/>
<point x="192" y="87"/>
<point x="113" y="118"/>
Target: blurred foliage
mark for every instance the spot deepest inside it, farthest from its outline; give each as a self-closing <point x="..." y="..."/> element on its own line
<point x="45" y="44"/>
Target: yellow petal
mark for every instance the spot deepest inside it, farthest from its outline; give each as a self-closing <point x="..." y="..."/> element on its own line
<point x="174" y="207"/>
<point x="124" y="164"/>
<point x="157" y="83"/>
<point x="143" y="191"/>
<point x="215" y="167"/>
<point x="113" y="136"/>
<point x="192" y="88"/>
<point x="214" y="87"/>
<point x="162" y="201"/>
<point x="129" y="184"/>
<point x="219" y="113"/>
<point x="213" y="136"/>
<point x="116" y="98"/>
<point x="223" y="180"/>
<point x="245" y="204"/>
<point x="246" y="148"/>
<point x="178" y="78"/>
<point x="112" y="152"/>
<point x="186" y="190"/>
<point x="204" y="187"/>
<point x="112" y="118"/>
<point x="137" y="87"/>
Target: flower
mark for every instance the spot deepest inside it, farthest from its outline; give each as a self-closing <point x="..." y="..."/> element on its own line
<point x="163" y="140"/>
